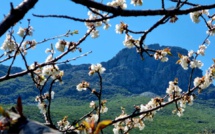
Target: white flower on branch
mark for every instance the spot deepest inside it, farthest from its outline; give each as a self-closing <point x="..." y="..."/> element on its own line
<point x="31" y="43"/>
<point x="42" y="106"/>
<point x="180" y="112"/>
<point x="47" y="94"/>
<point x="94" y="33"/>
<point x="25" y="31"/>
<point x="173" y="89"/>
<point x="129" y="41"/>
<point x="21" y="32"/>
<point x="98" y="23"/>
<point x="196" y="64"/>
<point x="162" y="54"/>
<point x="138" y="123"/>
<point x="96" y="68"/>
<point x="30" y="31"/>
<point x="106" y="26"/>
<point x="211" y="26"/>
<point x="82" y="86"/>
<point x="103" y="109"/>
<point x="195" y="16"/>
<point x="201" y="50"/>
<point x="118" y="3"/>
<point x="211" y="31"/>
<point x="49" y="58"/>
<point x="183" y="61"/>
<point x="63" y="124"/>
<point x="137" y="2"/>
<point x="207" y="42"/>
<point x="48" y="50"/>
<point x="206" y="12"/>
<point x="93" y="118"/>
<point x="190" y="53"/>
<point x="120" y="28"/>
<point x="8" y="44"/>
<point x="92" y="104"/>
<point x="60" y="45"/>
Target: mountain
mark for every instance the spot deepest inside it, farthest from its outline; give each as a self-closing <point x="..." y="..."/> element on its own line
<point x="125" y="74"/>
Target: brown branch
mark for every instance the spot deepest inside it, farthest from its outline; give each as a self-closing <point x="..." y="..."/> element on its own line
<point x="49" y="106"/>
<point x="16" y="14"/>
<point x="100" y="95"/>
<point x="15" y="75"/>
<point x="185" y="2"/>
<point x="128" y="13"/>
<point x="156" y="108"/>
<point x="75" y="19"/>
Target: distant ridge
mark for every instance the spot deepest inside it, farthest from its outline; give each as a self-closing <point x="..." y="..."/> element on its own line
<point x="125" y="74"/>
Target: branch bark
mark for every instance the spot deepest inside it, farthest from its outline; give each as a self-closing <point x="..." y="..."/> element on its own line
<point x="129" y="13"/>
<point x="16" y="14"/>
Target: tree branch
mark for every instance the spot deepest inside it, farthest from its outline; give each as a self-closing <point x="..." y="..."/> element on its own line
<point x="16" y="14"/>
<point x="129" y="13"/>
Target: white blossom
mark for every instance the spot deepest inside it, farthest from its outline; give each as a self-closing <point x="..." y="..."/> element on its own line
<point x="137" y="2"/>
<point x="82" y="86"/>
<point x="104" y="109"/>
<point x="180" y="112"/>
<point x="96" y="68"/>
<point x="8" y="44"/>
<point x="118" y="3"/>
<point x="92" y="118"/>
<point x="52" y="94"/>
<point x="201" y="50"/>
<point x="42" y="107"/>
<point x="119" y="28"/>
<point x="60" y="45"/>
<point x="162" y="54"/>
<point x="129" y="41"/>
<point x="211" y="31"/>
<point x="63" y="124"/>
<point x="183" y="61"/>
<point x="196" y="64"/>
<point x="21" y="32"/>
<point x="197" y="81"/>
<point x="115" y="130"/>
<point x="49" y="58"/>
<point x="195" y="16"/>
<point x="190" y="53"/>
<point x="92" y="104"/>
<point x="94" y="33"/>
<point x="106" y="26"/>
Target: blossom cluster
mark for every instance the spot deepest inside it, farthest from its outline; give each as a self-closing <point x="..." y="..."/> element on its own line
<point x="129" y="42"/>
<point x="94" y="15"/>
<point x="211" y="26"/>
<point x="206" y="80"/>
<point x="40" y="73"/>
<point x="88" y="125"/>
<point x="188" y="59"/>
<point x="118" y="3"/>
<point x="173" y="90"/>
<point x="195" y="15"/>
<point x="120" y="28"/>
<point x="10" y="45"/>
<point x="41" y="101"/>
<point x="162" y="54"/>
<point x="137" y="122"/>
<point x="96" y="68"/>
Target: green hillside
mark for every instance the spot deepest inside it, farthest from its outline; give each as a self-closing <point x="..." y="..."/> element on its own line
<point x="198" y="118"/>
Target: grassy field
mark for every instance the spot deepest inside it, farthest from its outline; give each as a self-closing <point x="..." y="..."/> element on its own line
<point x="198" y="118"/>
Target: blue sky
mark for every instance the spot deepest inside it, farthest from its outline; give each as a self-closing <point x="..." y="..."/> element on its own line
<point x="183" y="33"/>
